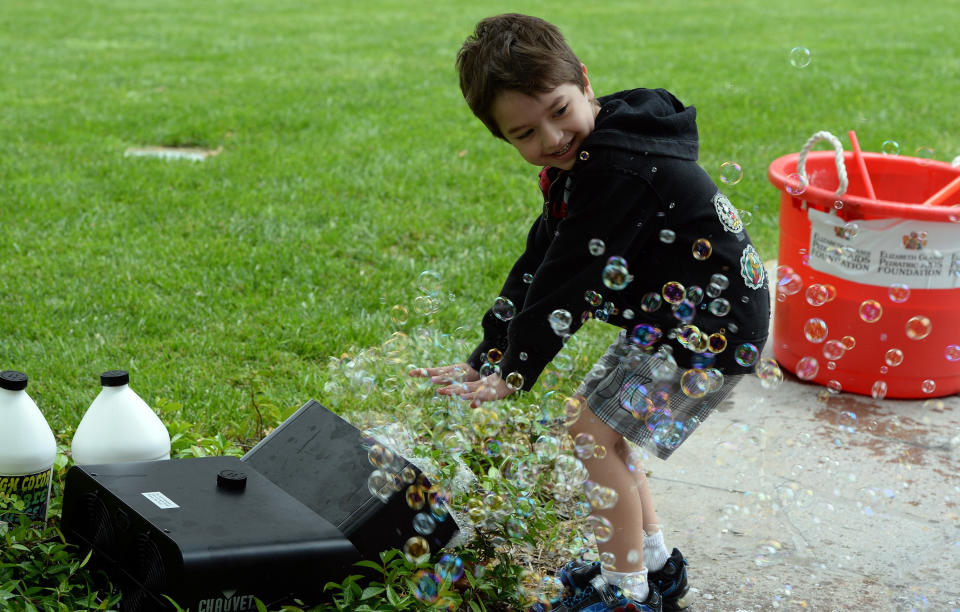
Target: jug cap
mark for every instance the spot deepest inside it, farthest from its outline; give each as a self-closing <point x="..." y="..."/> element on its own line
<point x="11" y="380"/>
<point x="115" y="378"/>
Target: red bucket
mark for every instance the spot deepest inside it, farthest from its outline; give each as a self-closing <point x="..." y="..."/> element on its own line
<point x="868" y="291"/>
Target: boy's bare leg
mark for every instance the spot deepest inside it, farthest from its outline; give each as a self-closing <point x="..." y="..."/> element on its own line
<point x="651" y="523"/>
<point x="627" y="515"/>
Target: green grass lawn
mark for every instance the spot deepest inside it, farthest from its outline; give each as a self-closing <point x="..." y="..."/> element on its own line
<point x="350" y="164"/>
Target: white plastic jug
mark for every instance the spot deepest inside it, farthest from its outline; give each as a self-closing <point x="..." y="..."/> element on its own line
<point x="27" y="447"/>
<point x="119" y="426"/>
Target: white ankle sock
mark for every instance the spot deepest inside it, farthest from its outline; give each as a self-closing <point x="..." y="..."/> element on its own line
<point x="633" y="584"/>
<point x="655" y="553"/>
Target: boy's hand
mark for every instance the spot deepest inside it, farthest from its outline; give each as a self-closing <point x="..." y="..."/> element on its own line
<point x="448" y="374"/>
<point x="460" y="379"/>
<point x="487" y="389"/>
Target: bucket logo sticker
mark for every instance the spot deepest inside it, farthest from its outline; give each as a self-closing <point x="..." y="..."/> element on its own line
<point x="844" y="232"/>
<point x="727" y="213"/>
<point x="882" y="252"/>
<point x="751" y="267"/>
<point x="915" y="241"/>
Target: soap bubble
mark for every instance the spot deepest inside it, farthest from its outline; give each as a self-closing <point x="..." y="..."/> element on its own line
<point x="685" y="311"/>
<point x="796" y="184"/>
<point x="416" y="497"/>
<point x="899" y="293"/>
<point x="650" y="301"/>
<point x="673" y="292"/>
<point x="871" y="311"/>
<point x="788" y="281"/>
<point x="416" y="549"/>
<point x="878" y="390"/>
<point x="893" y="357"/>
<point x="834" y="387"/>
<point x="719" y="307"/>
<point x="924" y="153"/>
<point x="399" y="314"/>
<point x="695" y="294"/>
<point x="952" y="352"/>
<point x="504" y="309"/>
<point x="583" y="445"/>
<point x="746" y="354"/>
<point x="596" y="246"/>
<point x="494" y="355"/>
<point x="799" y="57"/>
<point x="514" y="380"/>
<point x="694" y="383"/>
<point x="717" y="343"/>
<point x="817" y="295"/>
<point x="919" y="327"/>
<point x="890" y="147"/>
<point x="928" y="386"/>
<point x="769" y="373"/>
<point x="833" y="350"/>
<point x="848" y="342"/>
<point x="645" y="335"/>
<point x="667" y="236"/>
<point x="615" y="274"/>
<point x="429" y="283"/>
<point x="730" y="172"/>
<point x="424" y="523"/>
<point x="426" y="586"/>
<point x="702" y="249"/>
<point x="425" y="305"/>
<point x="560" y="320"/>
<point x="600" y="527"/>
<point x="527" y="278"/>
<point x="592" y="297"/>
<point x="450" y="567"/>
<point x="815" y="330"/>
<point x="807" y="368"/>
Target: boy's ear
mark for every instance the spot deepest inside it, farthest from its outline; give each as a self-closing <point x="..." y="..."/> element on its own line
<point x="587" y="89"/>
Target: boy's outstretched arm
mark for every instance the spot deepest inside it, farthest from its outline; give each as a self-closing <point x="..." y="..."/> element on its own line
<point x="461" y="379"/>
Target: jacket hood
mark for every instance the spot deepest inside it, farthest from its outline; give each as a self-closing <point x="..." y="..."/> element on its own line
<point x="646" y="121"/>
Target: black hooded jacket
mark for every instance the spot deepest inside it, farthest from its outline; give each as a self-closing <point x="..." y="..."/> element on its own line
<point x="636" y="187"/>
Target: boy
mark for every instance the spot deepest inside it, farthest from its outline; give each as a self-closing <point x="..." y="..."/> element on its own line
<point x="632" y="232"/>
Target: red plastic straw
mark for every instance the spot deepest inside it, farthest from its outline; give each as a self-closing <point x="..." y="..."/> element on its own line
<point x="858" y="156"/>
<point x="952" y="188"/>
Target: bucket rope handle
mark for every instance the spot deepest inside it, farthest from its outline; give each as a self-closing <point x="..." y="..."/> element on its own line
<point x="841" y="168"/>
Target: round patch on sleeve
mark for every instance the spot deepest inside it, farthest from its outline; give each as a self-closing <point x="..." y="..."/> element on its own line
<point x="751" y="267"/>
<point x="729" y="217"/>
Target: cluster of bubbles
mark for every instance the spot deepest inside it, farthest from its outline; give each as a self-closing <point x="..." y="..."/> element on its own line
<point x="816" y="330"/>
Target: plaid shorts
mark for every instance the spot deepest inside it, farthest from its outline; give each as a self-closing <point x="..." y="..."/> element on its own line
<point x="649" y="401"/>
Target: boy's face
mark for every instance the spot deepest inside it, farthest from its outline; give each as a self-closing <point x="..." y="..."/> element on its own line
<point x="547" y="129"/>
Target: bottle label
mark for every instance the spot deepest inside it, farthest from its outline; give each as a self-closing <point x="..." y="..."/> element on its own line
<point x="34" y="489"/>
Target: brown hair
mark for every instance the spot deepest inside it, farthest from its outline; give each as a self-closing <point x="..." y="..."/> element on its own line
<point x="513" y="52"/>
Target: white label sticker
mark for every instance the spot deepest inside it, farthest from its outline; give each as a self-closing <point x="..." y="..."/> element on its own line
<point x="881" y="252"/>
<point x="160" y="500"/>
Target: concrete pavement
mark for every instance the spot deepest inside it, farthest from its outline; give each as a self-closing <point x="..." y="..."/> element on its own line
<point x="794" y="498"/>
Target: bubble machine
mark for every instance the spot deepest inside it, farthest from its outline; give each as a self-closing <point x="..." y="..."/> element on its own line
<point x="218" y="533"/>
<point x="868" y="277"/>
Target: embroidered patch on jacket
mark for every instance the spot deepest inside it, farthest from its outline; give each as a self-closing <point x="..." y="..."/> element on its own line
<point x="751" y="267"/>
<point x="727" y="213"/>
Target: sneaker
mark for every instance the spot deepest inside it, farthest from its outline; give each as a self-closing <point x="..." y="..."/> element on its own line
<point x="599" y="596"/>
<point x="576" y="575"/>
<point x="671" y="582"/>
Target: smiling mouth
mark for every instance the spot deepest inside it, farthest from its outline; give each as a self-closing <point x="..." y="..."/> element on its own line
<point x="563" y="149"/>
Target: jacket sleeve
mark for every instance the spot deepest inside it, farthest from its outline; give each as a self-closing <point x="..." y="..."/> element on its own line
<point x="514" y="289"/>
<point x="604" y="204"/>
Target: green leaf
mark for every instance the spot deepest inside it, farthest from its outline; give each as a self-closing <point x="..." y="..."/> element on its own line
<point x="371" y="591"/>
